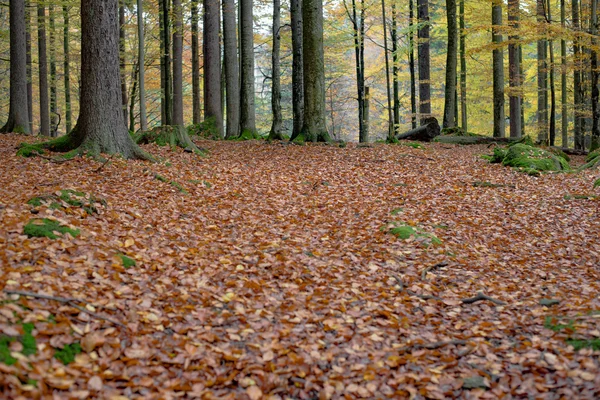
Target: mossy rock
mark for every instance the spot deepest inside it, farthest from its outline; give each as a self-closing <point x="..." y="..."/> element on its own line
<point x="47" y="228"/>
<point x="207" y="129"/>
<point x="529" y="159"/>
<point x="524" y="140"/>
<point x="592" y="160"/>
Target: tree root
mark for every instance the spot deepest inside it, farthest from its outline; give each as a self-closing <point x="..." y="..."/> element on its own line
<point x="432" y="268"/>
<point x="480" y="297"/>
<point x="71" y="302"/>
<point x="432" y="346"/>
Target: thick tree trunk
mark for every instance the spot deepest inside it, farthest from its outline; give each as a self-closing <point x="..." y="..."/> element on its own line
<point x="232" y="76"/>
<point x="498" y="67"/>
<point x="564" y="119"/>
<point x="424" y="60"/>
<point x="411" y="65"/>
<point x="360" y="81"/>
<point x="391" y="122"/>
<point x="429" y="129"/>
<point x="43" y="72"/>
<point x="67" y="70"/>
<point x="28" y="26"/>
<point x="297" y="67"/>
<point x="248" y="113"/>
<point x="141" y="66"/>
<point x="135" y="71"/>
<point x="451" y="67"/>
<point x="177" y="64"/>
<point x="595" y="80"/>
<point x="122" y="57"/>
<point x="18" y="115"/>
<point x="167" y="86"/>
<point x="212" y="66"/>
<point x="542" y="75"/>
<point x="276" y="126"/>
<point x="514" y="63"/>
<point x="552" y="127"/>
<point x="196" y="110"/>
<point x="577" y="72"/>
<point x="53" y="93"/>
<point x="314" y="128"/>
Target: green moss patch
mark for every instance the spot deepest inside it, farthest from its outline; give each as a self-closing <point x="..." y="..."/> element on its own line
<point x="248" y="134"/>
<point x="175" y="184"/>
<point x="5" y="356"/>
<point x="68" y="198"/>
<point x="592" y="160"/>
<point x="127" y="262"/>
<point x="207" y="129"/>
<point x="67" y="354"/>
<point x="47" y="228"/>
<point x="404" y="231"/>
<point x="27" y="340"/>
<point x="581" y="197"/>
<point x="529" y="159"/>
<point x="414" y="145"/>
<point x="579" y="344"/>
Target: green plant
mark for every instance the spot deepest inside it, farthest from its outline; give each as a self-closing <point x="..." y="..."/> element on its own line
<point x="28" y="340"/>
<point x="404" y="231"/>
<point x="126" y="261"/>
<point x="579" y="344"/>
<point x="5" y="356"/>
<point x="47" y="228"/>
<point x="67" y="354"/>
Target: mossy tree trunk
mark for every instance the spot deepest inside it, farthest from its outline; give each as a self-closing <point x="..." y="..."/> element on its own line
<point x="18" y="115"/>
<point x="28" y="26"/>
<point x="514" y="77"/>
<point x="424" y="60"/>
<point x="53" y="93"/>
<point x="67" y="70"/>
<point x="498" y="67"/>
<point x="196" y="113"/>
<point x="451" y="66"/>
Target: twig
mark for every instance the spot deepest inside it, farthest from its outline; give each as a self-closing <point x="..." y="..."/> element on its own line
<point x="432" y="346"/>
<point x="104" y="164"/>
<point x="411" y="293"/>
<point x="66" y="300"/>
<point x="431" y="268"/>
<point x="480" y="296"/>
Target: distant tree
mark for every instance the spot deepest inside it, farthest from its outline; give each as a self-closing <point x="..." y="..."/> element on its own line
<point x="514" y="76"/>
<point x="18" y="115"/>
<point x="53" y="80"/>
<point x="451" y="66"/>
<point x="463" y="68"/>
<point x="177" y="64"/>
<point x="166" y="83"/>
<point x="43" y="72"/>
<point x="232" y="75"/>
<point x="411" y="64"/>
<point x="141" y="66"/>
<point x="67" y="69"/>
<point x="542" y="74"/>
<point x="577" y="79"/>
<point x="395" y="66"/>
<point x="314" y="128"/>
<point x="391" y="122"/>
<point x="212" y="66"/>
<point x="297" y="67"/>
<point x="122" y="56"/>
<point x="563" y="79"/>
<point x="552" y="124"/>
<point x="277" y="124"/>
<point x="498" y="68"/>
<point x="358" y="32"/>
<point x="28" y="61"/>
<point x="248" y="113"/>
<point x="196" y="110"/>
<point x="595" y="79"/>
<point x="424" y="60"/>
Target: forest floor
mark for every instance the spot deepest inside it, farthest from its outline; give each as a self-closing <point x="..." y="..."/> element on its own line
<point x="268" y="271"/>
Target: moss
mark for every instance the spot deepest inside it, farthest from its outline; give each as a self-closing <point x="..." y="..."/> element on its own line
<point x="126" y="261"/>
<point x="404" y="231"/>
<point x="559" y="152"/>
<point x="28" y="340"/>
<point x="5" y="356"/>
<point x="178" y="186"/>
<point x="529" y="159"/>
<point x="69" y="197"/>
<point x="524" y="140"/>
<point x="579" y="344"/>
<point x="161" y="135"/>
<point x="247" y="134"/>
<point x="47" y="228"/>
<point x="67" y="354"/>
<point x="30" y="150"/>
<point x="207" y="129"/>
<point x="161" y="178"/>
<point x="299" y="140"/>
<point x="414" y="145"/>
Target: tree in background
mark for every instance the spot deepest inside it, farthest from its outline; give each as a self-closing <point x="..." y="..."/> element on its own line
<point x="514" y="76"/>
<point x="451" y="66"/>
<point x="141" y="66"/>
<point x="232" y="75"/>
<point x="542" y="74"/>
<point x="213" y="113"/>
<point x="196" y="110"/>
<point x="277" y="124"/>
<point x="18" y="114"/>
<point x="297" y="67"/>
<point x="248" y="112"/>
<point x="498" y="66"/>
<point x="424" y="60"/>
<point x="67" y="69"/>
<point x="595" y="79"/>
<point x="43" y="72"/>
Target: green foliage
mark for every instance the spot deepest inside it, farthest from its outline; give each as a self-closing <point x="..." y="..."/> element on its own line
<point x="597" y="183"/>
<point x="414" y="145"/>
<point x="552" y="324"/>
<point x="47" y="228"/>
<point x="529" y="159"/>
<point x="207" y="129"/>
<point x="69" y="197"/>
<point x="404" y="231"/>
<point x="248" y="134"/>
<point x="126" y="261"/>
<point x="67" y="354"/>
<point x="5" y="356"/>
<point x="176" y="185"/>
<point x="28" y="340"/>
<point x="579" y="344"/>
<point x="397" y="211"/>
<point x="161" y="178"/>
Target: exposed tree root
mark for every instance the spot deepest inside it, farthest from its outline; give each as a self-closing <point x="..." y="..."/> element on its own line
<point x="480" y="297"/>
<point x="432" y="268"/>
<point x="432" y="346"/>
<point x="174" y="136"/>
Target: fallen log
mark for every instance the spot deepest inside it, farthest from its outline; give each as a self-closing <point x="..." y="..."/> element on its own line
<point x="571" y="152"/>
<point x="424" y="133"/>
<point x="473" y="140"/>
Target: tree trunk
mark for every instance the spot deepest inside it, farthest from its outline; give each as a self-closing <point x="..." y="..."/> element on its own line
<point x="450" y="90"/>
<point x="577" y="87"/>
<point x="595" y="80"/>
<point x="552" y="127"/>
<point x="542" y="76"/>
<point x="366" y="111"/>
<point x="212" y="67"/>
<point x="424" y="60"/>
<point x="429" y="129"/>
<point x="28" y="62"/>
<point x="18" y="114"/>
<point x="391" y="122"/>
<point x="514" y="63"/>
<point x="248" y="113"/>
<point x="43" y="72"/>
<point x="411" y="64"/>
<point x="67" y="70"/>
<point x="498" y="67"/>
<point x="132" y="96"/>
<point x="395" y="68"/>
<point x="196" y="111"/>
<point x="122" y="57"/>
<point x="463" y="70"/>
<point x="166" y="63"/>
<point x="564" y="119"/>
<point x="522" y="74"/>
<point x="314" y="128"/>
<point x="53" y="94"/>
<point x="141" y="66"/>
<point x="360" y="81"/>
<point x="276" y="126"/>
<point x="297" y="67"/>
<point x="177" y="64"/>
<point x="232" y="76"/>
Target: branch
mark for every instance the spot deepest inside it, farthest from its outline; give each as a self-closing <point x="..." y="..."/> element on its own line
<point x="432" y="346"/>
<point x="433" y="267"/>
<point x="411" y="293"/>
<point x="480" y="296"/>
<point x="69" y="301"/>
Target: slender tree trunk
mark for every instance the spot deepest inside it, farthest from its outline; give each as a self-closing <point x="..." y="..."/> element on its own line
<point x="498" y="66"/>
<point x="424" y="60"/>
<point x="521" y="75"/>
<point x="595" y="80"/>
<point x="232" y="76"/>
<point x="579" y="140"/>
<point x="163" y="76"/>
<point x="297" y="67"/>
<point x="135" y="71"/>
<point x="542" y="76"/>
<point x="450" y="90"/>
<point x="28" y="61"/>
<point x="122" y="57"/>
<point x="18" y="114"/>
<point x="67" y="70"/>
<point x="213" y="112"/>
<point x="463" y="69"/>
<point x="43" y="72"/>
<point x="366" y="111"/>
<point x="514" y="65"/>
<point x="177" y="64"/>
<point x="141" y="66"/>
<point x="360" y="82"/>
<point x="248" y="112"/>
<point x="196" y="111"/>
<point x="53" y="92"/>
<point x="391" y="122"/>
<point x="166" y="56"/>
<point x="564" y="119"/>
<point x="411" y="63"/>
<point x="314" y="128"/>
<point x="552" y="127"/>
<point x="276" y="126"/>
<point x="395" y="68"/>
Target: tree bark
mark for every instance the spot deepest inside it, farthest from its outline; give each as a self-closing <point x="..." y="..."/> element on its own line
<point x="67" y="70"/>
<point x="122" y="57"/>
<point x="391" y="122"/>
<point x="135" y="71"/>
<point x="141" y="66"/>
<point x="53" y="93"/>
<point x="514" y="63"/>
<point x="276" y="126"/>
<point x="359" y="67"/>
<point x="248" y="113"/>
<point x="498" y="67"/>
<point x="167" y="86"/>
<point x="424" y="60"/>
<point x="43" y="72"/>
<point x="595" y="80"/>
<point x="542" y="75"/>
<point x="411" y="64"/>
<point x="297" y="67"/>
<point x="552" y="126"/>
<point x="196" y="110"/>
<point x="429" y="129"/>
<point x="212" y="67"/>
<point x="451" y="67"/>
<point x="232" y="76"/>
<point x="564" y="119"/>
<point x="314" y="128"/>
<point x="577" y="86"/>
<point x="177" y="64"/>
<point x="28" y="62"/>
<point x="395" y="68"/>
<point x="463" y="70"/>
<point x="18" y="114"/>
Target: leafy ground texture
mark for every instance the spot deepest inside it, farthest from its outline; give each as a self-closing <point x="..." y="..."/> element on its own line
<point x="308" y="272"/>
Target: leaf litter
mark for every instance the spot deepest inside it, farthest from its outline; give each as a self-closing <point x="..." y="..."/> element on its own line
<point x="271" y="275"/>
